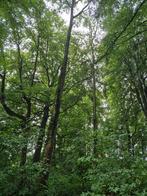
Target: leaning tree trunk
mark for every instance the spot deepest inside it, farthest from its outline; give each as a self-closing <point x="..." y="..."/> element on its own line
<point x="51" y="134"/>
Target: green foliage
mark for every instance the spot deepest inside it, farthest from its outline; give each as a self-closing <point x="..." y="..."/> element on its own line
<point x="109" y="116"/>
<point x="66" y="183"/>
<point x="117" y="177"/>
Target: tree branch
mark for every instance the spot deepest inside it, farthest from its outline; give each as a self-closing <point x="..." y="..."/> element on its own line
<point x="2" y="100"/>
<point x="108" y="51"/>
<point x="83" y="9"/>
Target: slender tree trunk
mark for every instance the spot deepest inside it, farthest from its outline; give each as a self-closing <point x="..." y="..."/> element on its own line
<point x="143" y="97"/>
<point x="51" y="135"/>
<point x="37" y="153"/>
<point x="94" y="98"/>
<point x="23" y="157"/>
<point x="94" y="109"/>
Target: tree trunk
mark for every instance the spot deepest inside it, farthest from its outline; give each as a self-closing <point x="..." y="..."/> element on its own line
<point x="23" y="156"/>
<point x="94" y="102"/>
<point x="37" y="153"/>
<point x="51" y="135"/>
<point x="94" y="110"/>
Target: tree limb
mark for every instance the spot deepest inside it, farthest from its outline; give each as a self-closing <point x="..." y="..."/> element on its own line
<point x="5" y="106"/>
<point x="83" y="9"/>
<point x="108" y="51"/>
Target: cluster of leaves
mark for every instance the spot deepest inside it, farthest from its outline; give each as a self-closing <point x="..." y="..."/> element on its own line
<point x="116" y="176"/>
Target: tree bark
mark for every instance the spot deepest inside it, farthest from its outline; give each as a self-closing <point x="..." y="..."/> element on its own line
<point x="51" y="134"/>
<point x="37" y="153"/>
<point x="23" y="156"/>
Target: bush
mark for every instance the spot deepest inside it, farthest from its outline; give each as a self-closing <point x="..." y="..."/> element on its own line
<point x="117" y="177"/>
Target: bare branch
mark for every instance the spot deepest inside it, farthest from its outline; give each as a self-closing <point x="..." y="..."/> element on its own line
<point x="83" y="9"/>
<point x="68" y="3"/>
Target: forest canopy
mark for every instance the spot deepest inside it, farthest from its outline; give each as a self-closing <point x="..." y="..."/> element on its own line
<point x="73" y="97"/>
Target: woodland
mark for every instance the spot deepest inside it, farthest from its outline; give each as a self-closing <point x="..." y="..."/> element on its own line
<point x="73" y="97"/>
